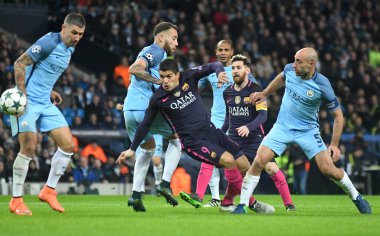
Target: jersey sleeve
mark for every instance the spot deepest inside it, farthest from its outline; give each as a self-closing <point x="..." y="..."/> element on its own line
<point x="152" y="57"/>
<point x="203" y="82"/>
<point x="252" y="78"/>
<point x="328" y="95"/>
<point x="197" y="73"/>
<point x="287" y="68"/>
<point x="143" y="128"/>
<point x="42" y="47"/>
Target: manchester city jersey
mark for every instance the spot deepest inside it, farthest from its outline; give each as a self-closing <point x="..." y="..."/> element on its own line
<point x="302" y="99"/>
<point x="51" y="57"/>
<point x="139" y="91"/>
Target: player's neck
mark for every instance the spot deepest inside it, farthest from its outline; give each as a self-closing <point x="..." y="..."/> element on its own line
<point x="239" y="87"/>
<point x="308" y="76"/>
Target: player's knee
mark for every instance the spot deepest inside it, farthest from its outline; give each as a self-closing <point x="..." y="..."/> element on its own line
<point x="150" y="144"/>
<point x="271" y="168"/>
<point x="156" y="160"/>
<point x="260" y="161"/>
<point x="326" y="170"/>
<point x="227" y="161"/>
<point x="68" y="148"/>
<point x="28" y="149"/>
<point x="175" y="142"/>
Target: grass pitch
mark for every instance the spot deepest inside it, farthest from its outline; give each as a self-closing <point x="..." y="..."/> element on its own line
<point x="109" y="215"/>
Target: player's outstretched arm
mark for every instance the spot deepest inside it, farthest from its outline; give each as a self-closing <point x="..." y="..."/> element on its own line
<point x="124" y="155"/>
<point x="138" y="69"/>
<point x="19" y="67"/>
<point x="277" y="83"/>
<point x="337" y="132"/>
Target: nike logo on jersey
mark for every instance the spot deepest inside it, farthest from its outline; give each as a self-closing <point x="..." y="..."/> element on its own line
<point x="165" y="99"/>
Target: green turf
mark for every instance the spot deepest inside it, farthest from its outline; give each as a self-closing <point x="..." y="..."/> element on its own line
<point x="109" y="215"/>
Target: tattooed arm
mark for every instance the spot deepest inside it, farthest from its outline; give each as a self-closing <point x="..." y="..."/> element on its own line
<point x="138" y="69"/>
<point x="19" y="67"/>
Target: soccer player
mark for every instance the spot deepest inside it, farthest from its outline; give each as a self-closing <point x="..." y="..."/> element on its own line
<point x="180" y="102"/>
<point x="144" y="82"/>
<point x="208" y="175"/>
<point x="244" y="123"/>
<point x="297" y="122"/>
<point x="36" y="72"/>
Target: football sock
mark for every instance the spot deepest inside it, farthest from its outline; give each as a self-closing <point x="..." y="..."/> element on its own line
<point x="214" y="184"/>
<point x="141" y="168"/>
<point x="20" y="170"/>
<point x="347" y="186"/>
<point x="249" y="184"/>
<point x="204" y="177"/>
<point x="234" y="180"/>
<point x="282" y="187"/>
<point x="59" y="163"/>
<point x="157" y="171"/>
<point x="172" y="156"/>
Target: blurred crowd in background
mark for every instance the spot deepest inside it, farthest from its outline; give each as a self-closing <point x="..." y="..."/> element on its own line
<point x="345" y="33"/>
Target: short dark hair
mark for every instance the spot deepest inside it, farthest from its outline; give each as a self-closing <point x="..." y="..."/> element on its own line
<point x="75" y="19"/>
<point x="163" y="26"/>
<point x="225" y="41"/>
<point x="169" y="65"/>
<point x="240" y="57"/>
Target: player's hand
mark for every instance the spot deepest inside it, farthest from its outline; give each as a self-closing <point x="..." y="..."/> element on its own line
<point x="119" y="107"/>
<point x="257" y="97"/>
<point x="124" y="155"/>
<point x="222" y="78"/>
<point x="334" y="152"/>
<point x="57" y="99"/>
<point x="243" y="131"/>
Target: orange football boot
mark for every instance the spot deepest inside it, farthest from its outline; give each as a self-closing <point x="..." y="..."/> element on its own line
<point x="49" y="196"/>
<point x="17" y="206"/>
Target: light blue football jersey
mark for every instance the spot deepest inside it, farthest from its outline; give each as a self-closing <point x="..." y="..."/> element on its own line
<point x="51" y="58"/>
<point x="218" y="110"/>
<point x="139" y="91"/>
<point x="302" y="99"/>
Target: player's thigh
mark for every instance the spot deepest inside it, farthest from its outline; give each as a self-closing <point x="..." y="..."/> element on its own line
<point x="311" y="142"/>
<point x="224" y="141"/>
<point x="51" y="118"/>
<point x="28" y="143"/>
<point x="203" y="149"/>
<point x="27" y="122"/>
<point x="132" y="120"/>
<point x="277" y="139"/>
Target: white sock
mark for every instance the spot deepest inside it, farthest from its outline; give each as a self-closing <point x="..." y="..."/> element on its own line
<point x="141" y="168"/>
<point x="157" y="171"/>
<point x="20" y="170"/>
<point x="347" y="186"/>
<point x="59" y="163"/>
<point x="214" y="184"/>
<point x="172" y="156"/>
<point x="249" y="184"/>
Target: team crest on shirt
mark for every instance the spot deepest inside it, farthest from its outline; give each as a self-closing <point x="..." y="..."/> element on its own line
<point x="36" y="49"/>
<point x="213" y="154"/>
<point x="310" y="93"/>
<point x="237" y="99"/>
<point x="247" y="100"/>
<point x="177" y="94"/>
<point x="149" y="56"/>
<point x="24" y="124"/>
<point x="185" y="87"/>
